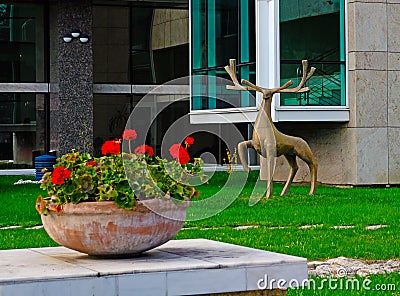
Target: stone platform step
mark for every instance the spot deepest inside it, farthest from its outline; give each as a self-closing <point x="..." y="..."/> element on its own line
<point x="179" y="267"/>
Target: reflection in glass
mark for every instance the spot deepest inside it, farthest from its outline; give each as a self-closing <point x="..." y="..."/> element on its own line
<point x="317" y="35"/>
<point x="18" y="43"/>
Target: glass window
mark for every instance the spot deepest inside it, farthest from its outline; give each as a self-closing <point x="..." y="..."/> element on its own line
<point x="23" y="126"/>
<point x="171" y="63"/>
<point x="141" y="25"/>
<point x="221" y="30"/>
<point x="111" y="44"/>
<point x="140" y="45"/>
<point x="17" y="108"/>
<point x="314" y="33"/>
<point x="111" y="112"/>
<point x="20" y="42"/>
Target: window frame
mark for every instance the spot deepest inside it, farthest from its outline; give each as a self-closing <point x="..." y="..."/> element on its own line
<point x="268" y="73"/>
<point x="212" y="114"/>
<point x="268" y="67"/>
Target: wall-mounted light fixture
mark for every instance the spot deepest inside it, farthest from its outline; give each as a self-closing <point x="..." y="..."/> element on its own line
<point x="82" y="37"/>
<point x="75" y="33"/>
<point x="67" y="37"/>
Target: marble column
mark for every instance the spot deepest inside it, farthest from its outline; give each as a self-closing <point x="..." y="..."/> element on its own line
<point x="72" y="79"/>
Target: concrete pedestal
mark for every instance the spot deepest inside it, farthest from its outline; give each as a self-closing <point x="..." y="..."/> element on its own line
<point x="179" y="267"/>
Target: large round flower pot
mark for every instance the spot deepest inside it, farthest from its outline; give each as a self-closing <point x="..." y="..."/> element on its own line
<point x="104" y="229"/>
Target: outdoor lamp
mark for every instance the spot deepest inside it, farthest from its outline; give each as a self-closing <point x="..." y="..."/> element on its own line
<point x="75" y="33"/>
<point x="84" y="38"/>
<point x="67" y="37"/>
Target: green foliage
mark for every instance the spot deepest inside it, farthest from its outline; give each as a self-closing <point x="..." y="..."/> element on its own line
<point x="122" y="178"/>
<point x="79" y="186"/>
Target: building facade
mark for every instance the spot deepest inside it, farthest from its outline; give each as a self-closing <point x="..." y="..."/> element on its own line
<point x="57" y="95"/>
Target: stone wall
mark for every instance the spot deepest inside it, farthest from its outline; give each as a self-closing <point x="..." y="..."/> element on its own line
<point x="366" y="149"/>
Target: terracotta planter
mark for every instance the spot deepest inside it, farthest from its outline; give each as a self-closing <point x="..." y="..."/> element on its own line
<point x="104" y="229"/>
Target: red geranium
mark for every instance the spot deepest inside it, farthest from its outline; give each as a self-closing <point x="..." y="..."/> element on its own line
<point x="189" y="141"/>
<point x="184" y="157"/>
<point x="59" y="174"/>
<point x="91" y="163"/>
<point x="129" y="134"/>
<point x="180" y="153"/>
<point x="111" y="147"/>
<point x="174" y="150"/>
<point x="144" y="149"/>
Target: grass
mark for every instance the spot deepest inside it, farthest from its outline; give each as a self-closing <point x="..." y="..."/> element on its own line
<point x="357" y="207"/>
<point x="314" y="244"/>
<point x="18" y="202"/>
<point x="329" y="207"/>
<point x="275" y="223"/>
<point x="23" y="238"/>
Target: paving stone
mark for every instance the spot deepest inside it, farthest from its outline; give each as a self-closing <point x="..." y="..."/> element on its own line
<point x="179" y="267"/>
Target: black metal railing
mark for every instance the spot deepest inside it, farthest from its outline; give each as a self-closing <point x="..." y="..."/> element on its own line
<point x="326" y="84"/>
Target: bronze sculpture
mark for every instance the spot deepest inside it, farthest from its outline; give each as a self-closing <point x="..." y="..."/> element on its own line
<point x="267" y="140"/>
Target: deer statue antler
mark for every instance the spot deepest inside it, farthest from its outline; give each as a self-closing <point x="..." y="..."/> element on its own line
<point x="231" y="69"/>
<point x="304" y="79"/>
<point x="269" y="142"/>
<point x="284" y="88"/>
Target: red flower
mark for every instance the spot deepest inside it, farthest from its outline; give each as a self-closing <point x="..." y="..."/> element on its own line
<point x="184" y="157"/>
<point x="111" y="147"/>
<point x="91" y="163"/>
<point x="144" y="149"/>
<point x="180" y="153"/>
<point x="189" y="141"/>
<point x="174" y="150"/>
<point x="59" y="174"/>
<point x="129" y="134"/>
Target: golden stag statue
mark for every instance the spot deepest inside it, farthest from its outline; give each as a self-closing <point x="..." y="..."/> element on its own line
<point x="267" y="140"/>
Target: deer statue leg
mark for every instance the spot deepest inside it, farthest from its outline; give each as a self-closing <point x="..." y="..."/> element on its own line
<point x="304" y="152"/>
<point x="313" y="171"/>
<point x="293" y="170"/>
<point x="268" y="164"/>
<point x="242" y="151"/>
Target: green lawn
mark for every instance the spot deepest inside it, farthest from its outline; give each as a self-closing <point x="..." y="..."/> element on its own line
<point x="278" y="221"/>
<point x="275" y="223"/>
<point x="18" y="202"/>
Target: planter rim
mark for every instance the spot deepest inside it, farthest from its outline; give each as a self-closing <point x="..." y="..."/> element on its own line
<point x="109" y="207"/>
